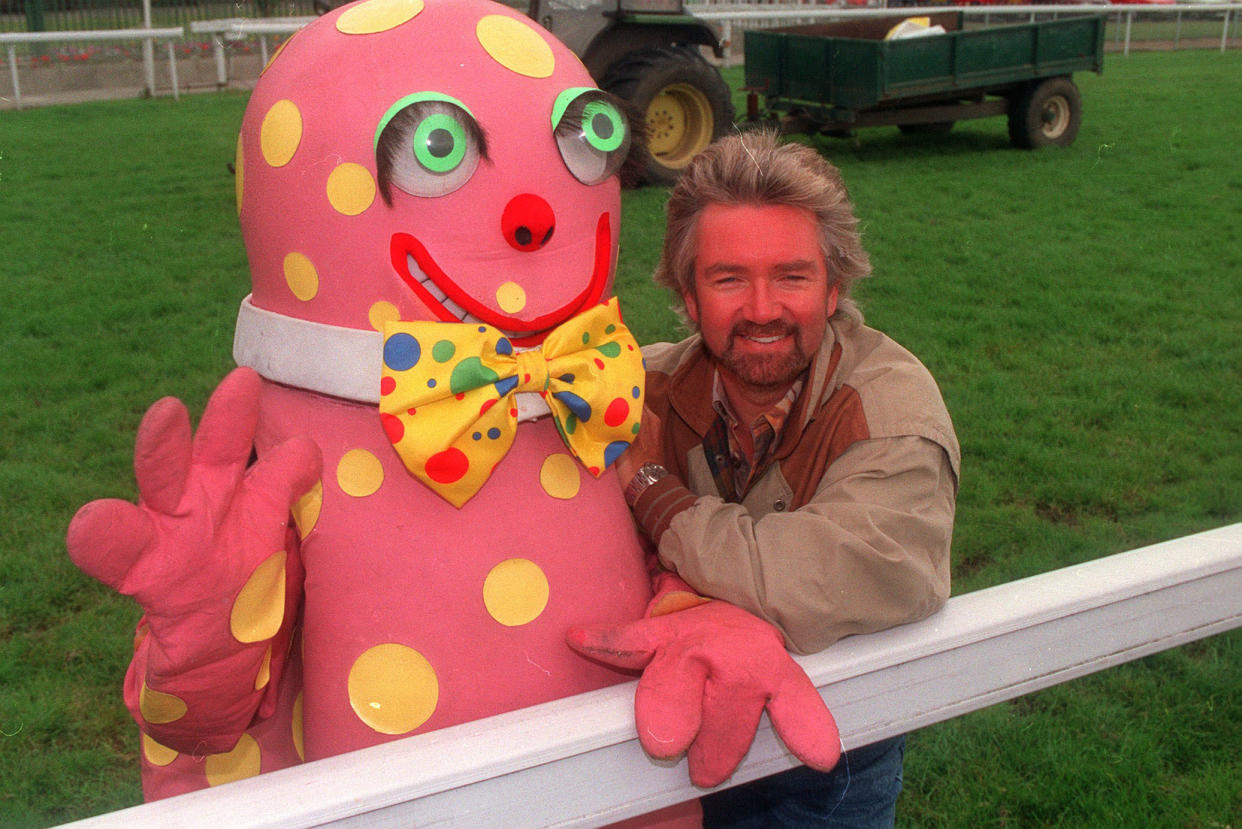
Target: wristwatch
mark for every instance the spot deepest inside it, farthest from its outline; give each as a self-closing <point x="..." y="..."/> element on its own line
<point x="646" y="475"/>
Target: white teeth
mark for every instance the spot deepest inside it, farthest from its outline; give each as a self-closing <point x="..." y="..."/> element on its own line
<point x="437" y="292"/>
<point x="764" y="340"/>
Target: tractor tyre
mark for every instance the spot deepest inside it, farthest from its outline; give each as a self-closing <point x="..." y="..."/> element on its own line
<point x="683" y="100"/>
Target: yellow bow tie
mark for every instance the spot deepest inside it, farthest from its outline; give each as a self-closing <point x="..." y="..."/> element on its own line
<point x="447" y="395"/>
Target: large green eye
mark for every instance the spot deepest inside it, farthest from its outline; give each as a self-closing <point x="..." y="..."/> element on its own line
<point x="427" y="144"/>
<point x="591" y="132"/>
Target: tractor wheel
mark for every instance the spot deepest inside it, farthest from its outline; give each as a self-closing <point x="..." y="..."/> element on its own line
<point x="1046" y="114"/>
<point x="683" y="99"/>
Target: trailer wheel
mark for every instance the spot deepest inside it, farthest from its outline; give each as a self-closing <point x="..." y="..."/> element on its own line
<point x="685" y="102"/>
<point x="1046" y="114"/>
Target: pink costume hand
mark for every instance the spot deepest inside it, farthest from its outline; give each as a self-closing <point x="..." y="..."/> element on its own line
<point x="204" y="524"/>
<point x="708" y="673"/>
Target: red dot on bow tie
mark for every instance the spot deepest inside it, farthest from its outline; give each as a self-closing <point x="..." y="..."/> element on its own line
<point x="527" y="380"/>
<point x="393" y="427"/>
<point x="487" y="404"/>
<point x="617" y="412"/>
<point x="387" y="384"/>
<point x="461" y="395"/>
<point x="513" y="413"/>
<point x="599" y="362"/>
<point x="448" y="466"/>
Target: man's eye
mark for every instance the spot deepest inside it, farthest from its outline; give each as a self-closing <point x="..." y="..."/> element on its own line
<point x="591" y="133"/>
<point x="427" y="145"/>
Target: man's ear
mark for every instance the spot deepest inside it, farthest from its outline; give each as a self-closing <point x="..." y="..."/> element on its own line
<point x="692" y="307"/>
<point x="832" y="299"/>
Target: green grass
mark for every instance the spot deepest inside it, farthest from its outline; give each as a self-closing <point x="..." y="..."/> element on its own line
<point x="1079" y="307"/>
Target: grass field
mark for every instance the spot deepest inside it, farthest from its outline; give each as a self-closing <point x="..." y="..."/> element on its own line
<point x="1080" y="308"/>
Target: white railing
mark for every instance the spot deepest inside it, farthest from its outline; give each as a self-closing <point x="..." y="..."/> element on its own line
<point x="577" y="762"/>
<point x="147" y="35"/>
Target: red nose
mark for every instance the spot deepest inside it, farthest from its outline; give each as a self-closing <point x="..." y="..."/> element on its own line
<point x="528" y="222"/>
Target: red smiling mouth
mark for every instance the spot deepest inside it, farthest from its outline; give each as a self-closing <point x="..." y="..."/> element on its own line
<point x="450" y="303"/>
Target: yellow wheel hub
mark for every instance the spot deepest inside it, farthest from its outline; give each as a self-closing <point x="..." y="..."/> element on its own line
<point x="679" y="125"/>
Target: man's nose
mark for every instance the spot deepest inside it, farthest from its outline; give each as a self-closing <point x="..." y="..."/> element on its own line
<point x="762" y="305"/>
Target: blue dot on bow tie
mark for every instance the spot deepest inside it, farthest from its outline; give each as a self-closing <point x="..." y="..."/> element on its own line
<point x="401" y="352"/>
<point x="613" y="451"/>
<point x="493" y="433"/>
<point x="580" y="408"/>
<point x="503" y="346"/>
<point x="505" y="385"/>
<point x="636" y="392"/>
<point x="567" y="378"/>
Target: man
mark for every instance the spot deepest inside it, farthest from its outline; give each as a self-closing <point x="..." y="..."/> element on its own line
<point x="793" y="462"/>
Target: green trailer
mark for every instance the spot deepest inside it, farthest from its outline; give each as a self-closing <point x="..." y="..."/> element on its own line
<point x="834" y="78"/>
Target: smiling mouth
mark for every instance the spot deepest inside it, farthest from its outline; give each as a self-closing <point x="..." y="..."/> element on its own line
<point x="450" y="303"/>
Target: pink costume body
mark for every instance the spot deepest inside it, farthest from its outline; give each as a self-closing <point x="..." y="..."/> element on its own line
<point x="415" y="614"/>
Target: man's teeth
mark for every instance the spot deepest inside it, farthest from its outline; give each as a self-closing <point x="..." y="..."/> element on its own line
<point x="766" y="340"/>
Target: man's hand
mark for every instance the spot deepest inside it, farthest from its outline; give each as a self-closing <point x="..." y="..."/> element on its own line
<point x="708" y="674"/>
<point x="644" y="449"/>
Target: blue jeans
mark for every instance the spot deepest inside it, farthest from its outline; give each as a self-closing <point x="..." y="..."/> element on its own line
<point x="860" y="793"/>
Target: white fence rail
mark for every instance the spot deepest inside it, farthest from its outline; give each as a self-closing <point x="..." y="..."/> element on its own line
<point x="731" y="17"/>
<point x="548" y="765"/>
<point x="147" y="35"/>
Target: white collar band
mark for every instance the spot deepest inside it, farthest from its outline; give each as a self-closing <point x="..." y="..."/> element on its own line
<point x="329" y="359"/>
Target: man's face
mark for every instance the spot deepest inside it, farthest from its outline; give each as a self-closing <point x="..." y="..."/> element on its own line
<point x="761" y="294"/>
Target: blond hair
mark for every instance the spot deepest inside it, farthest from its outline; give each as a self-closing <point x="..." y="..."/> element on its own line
<point x="756" y="168"/>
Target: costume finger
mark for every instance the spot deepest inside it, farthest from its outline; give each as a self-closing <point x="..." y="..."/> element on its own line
<point x="730" y="720"/>
<point x="629" y="645"/>
<point x="226" y="432"/>
<point x="162" y="455"/>
<point x="805" y="724"/>
<point x="106" y="538"/>
<point x="287" y="472"/>
<point x="668" y="704"/>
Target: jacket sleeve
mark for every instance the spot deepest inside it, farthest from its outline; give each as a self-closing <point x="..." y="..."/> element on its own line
<point x="869" y="551"/>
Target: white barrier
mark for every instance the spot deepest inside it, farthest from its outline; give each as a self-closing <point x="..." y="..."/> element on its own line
<point x="576" y="762"/>
<point x="147" y="36"/>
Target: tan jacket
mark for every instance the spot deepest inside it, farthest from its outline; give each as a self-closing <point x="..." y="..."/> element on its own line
<point x="848" y="531"/>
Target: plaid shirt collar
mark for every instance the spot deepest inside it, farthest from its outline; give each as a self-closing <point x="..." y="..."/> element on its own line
<point x="733" y="469"/>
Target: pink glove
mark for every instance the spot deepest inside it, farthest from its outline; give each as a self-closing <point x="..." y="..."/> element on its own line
<point x="708" y="673"/>
<point x="203" y="524"/>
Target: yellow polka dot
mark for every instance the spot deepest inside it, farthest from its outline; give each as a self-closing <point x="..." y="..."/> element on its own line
<point x="559" y="476"/>
<point x="510" y="297"/>
<point x="259" y="608"/>
<point x="515" y="592"/>
<point x="382" y="312"/>
<point x="377" y="16"/>
<point x="157" y="707"/>
<point x="238" y="169"/>
<point x="393" y="688"/>
<point x="242" y="762"/>
<point x="265" y="670"/>
<point x="280" y="133"/>
<point x="296" y="725"/>
<point x="515" y="46"/>
<point x="306" y="510"/>
<point x="359" y="473"/>
<point x="351" y="188"/>
<point x="301" y="276"/>
<point x="156" y="754"/>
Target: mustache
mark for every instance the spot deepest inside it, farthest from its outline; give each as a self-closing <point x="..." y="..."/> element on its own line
<point x="775" y="328"/>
